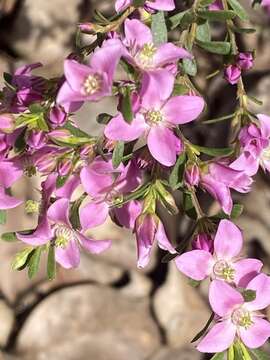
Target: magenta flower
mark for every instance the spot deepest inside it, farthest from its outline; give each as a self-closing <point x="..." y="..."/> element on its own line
<point x="67" y="240"/>
<point x="245" y="60"/>
<point x="148" y="229"/>
<point x="224" y="263"/>
<point x="203" y="241"/>
<point x="90" y="82"/>
<point x="232" y="74"/>
<point x="106" y="185"/>
<point x="156" y="120"/>
<point x="255" y="144"/>
<point x="266" y="5"/>
<point x="216" y="5"/>
<point x="165" y="5"/>
<point x="10" y="172"/>
<point x="238" y="319"/>
<point x="142" y="52"/>
<point x="220" y="178"/>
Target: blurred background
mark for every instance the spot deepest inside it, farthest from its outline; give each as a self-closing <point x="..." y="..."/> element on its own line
<point x="107" y="309"/>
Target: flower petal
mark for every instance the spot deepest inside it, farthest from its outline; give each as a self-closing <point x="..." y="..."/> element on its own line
<point x="219" y="338"/>
<point x="168" y="53"/>
<point x="69" y="187"/>
<point x="137" y="34"/>
<point x="76" y="74"/>
<point x="228" y="241"/>
<point x="223" y="298"/>
<point x="93" y="246"/>
<point x="93" y="182"/>
<point x="121" y="5"/>
<point x="93" y="215"/>
<point x="196" y="264"/>
<point x="183" y="109"/>
<point x="119" y="129"/>
<point x="163" y="145"/>
<point x="128" y="213"/>
<point x="9" y="173"/>
<point x="162" y="239"/>
<point x="8" y="202"/>
<point x="69" y="257"/>
<point x="260" y="284"/>
<point x="58" y="212"/>
<point x="67" y="98"/>
<point x="246" y="270"/>
<point x="40" y="236"/>
<point x="165" y="5"/>
<point x="257" y="334"/>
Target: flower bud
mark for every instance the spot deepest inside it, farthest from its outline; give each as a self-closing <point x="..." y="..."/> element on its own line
<point x="203" y="242"/>
<point x="146" y="227"/>
<point x="232" y="74"/>
<point x="58" y="116"/>
<point x="61" y="134"/>
<point x="36" y="139"/>
<point x="46" y="163"/>
<point x="192" y="175"/>
<point x="7" y="123"/>
<point x="245" y="60"/>
<point x="64" y="167"/>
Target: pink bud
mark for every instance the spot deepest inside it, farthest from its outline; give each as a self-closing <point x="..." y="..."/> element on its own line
<point x="245" y="60"/>
<point x="232" y="74"/>
<point x="58" y="116"/>
<point x="203" y="242"/>
<point x="36" y="139"/>
<point x="61" y="134"/>
<point x="146" y="227"/>
<point x="87" y="28"/>
<point x="7" y="123"/>
<point x="46" y="164"/>
<point x="64" y="167"/>
<point x="192" y="175"/>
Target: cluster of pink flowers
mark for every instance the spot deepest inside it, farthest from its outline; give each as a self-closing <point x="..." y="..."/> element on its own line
<point x="123" y="174"/>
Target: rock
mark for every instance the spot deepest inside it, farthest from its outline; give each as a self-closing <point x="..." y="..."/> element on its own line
<point x="89" y="314"/>
<point x="179" y="308"/>
<point x="6" y="323"/>
<point x="185" y="353"/>
<point x="139" y="285"/>
<point x="43" y="30"/>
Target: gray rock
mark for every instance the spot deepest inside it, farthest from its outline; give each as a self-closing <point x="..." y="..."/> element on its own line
<point x="185" y="353"/>
<point x="6" y="322"/>
<point x="180" y="309"/>
<point x="87" y="314"/>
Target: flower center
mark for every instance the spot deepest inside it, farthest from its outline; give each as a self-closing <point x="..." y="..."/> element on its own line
<point x="223" y="270"/>
<point x="63" y="235"/>
<point x="92" y="84"/>
<point x="153" y="117"/>
<point x="242" y="317"/>
<point x="266" y="154"/>
<point x="146" y="55"/>
<point x="32" y="207"/>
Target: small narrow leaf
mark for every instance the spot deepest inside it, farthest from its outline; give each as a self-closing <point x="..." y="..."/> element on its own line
<point x="176" y="175"/>
<point x="159" y="28"/>
<point x="9" y="237"/>
<point x="238" y="9"/>
<point x="214" y="151"/>
<point x="3" y="217"/>
<point x="188" y="206"/>
<point x="190" y="66"/>
<point x="21" y="258"/>
<point x="104" y="118"/>
<point x="33" y="264"/>
<point x="61" y="180"/>
<point x="203" y="32"/>
<point x="182" y="19"/>
<point x="76" y="131"/>
<point x="118" y="153"/>
<point x="216" y="47"/>
<point x="126" y="105"/>
<point x="216" y="15"/>
<point x="51" y="265"/>
<point x="259" y="354"/>
<point x="203" y="331"/>
<point x="218" y="356"/>
<point x="249" y="295"/>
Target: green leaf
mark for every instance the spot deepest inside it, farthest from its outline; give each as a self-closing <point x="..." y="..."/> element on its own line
<point x="203" y="32"/>
<point x="182" y="19"/>
<point x="221" y="118"/>
<point x="33" y="264"/>
<point x="188" y="205"/>
<point x="159" y="28"/>
<point x="177" y="173"/>
<point x="206" y="2"/>
<point x="9" y="237"/>
<point x="231" y="353"/>
<point x="203" y="331"/>
<point x="61" y="180"/>
<point x="238" y="9"/>
<point x="249" y="295"/>
<point x="8" y="78"/>
<point x="104" y="118"/>
<point x="259" y="354"/>
<point x="190" y="66"/>
<point x="36" y="108"/>
<point x="216" y="15"/>
<point x="74" y="212"/>
<point x="126" y="104"/>
<point x="51" y="265"/>
<point x="180" y="89"/>
<point x="118" y="153"/>
<point x="218" y="356"/>
<point x="21" y="258"/>
<point x="3" y="217"/>
<point x="216" y="47"/>
<point x="214" y="151"/>
<point x="243" y="30"/>
<point x="20" y="142"/>
<point x="76" y="131"/>
<point x="41" y="123"/>
<point x="236" y="211"/>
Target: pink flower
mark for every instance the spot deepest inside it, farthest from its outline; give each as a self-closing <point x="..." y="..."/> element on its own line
<point x="237" y="318"/>
<point x="142" y="52"/>
<point x="166" y="5"/>
<point x="68" y="241"/>
<point x="232" y="74"/>
<point x="156" y="119"/>
<point x="192" y="175"/>
<point x="149" y="229"/>
<point x="220" y="178"/>
<point x="216" y="5"/>
<point x="224" y="263"/>
<point x="245" y="60"/>
<point x="255" y="146"/>
<point x="266" y="5"/>
<point x="90" y="82"/>
<point x="203" y="241"/>
<point x="10" y="172"/>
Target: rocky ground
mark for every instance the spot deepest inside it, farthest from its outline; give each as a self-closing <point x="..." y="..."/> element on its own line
<point x="107" y="309"/>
